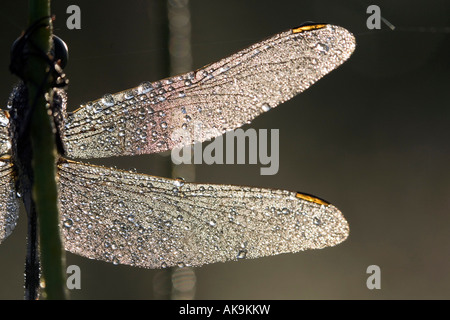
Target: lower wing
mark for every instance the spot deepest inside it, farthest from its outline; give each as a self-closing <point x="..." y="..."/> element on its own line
<point x="153" y="222"/>
<point x="9" y="206"/>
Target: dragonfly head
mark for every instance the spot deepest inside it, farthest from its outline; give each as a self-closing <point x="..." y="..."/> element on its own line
<point x="57" y="58"/>
<point x="59" y="52"/>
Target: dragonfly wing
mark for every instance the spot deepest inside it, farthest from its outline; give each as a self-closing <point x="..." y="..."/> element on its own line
<point x="9" y="206"/>
<point x="206" y="103"/>
<point x="5" y="137"/>
<point x="153" y="222"/>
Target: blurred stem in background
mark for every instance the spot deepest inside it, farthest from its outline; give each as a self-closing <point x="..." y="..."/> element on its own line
<point x="183" y="279"/>
<point x="178" y="283"/>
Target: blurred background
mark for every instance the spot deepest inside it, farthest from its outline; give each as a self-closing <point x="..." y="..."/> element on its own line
<point x="371" y="137"/>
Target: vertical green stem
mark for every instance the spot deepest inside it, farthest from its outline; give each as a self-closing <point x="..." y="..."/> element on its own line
<point x="44" y="155"/>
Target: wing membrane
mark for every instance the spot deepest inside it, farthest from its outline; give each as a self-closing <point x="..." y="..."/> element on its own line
<point x="204" y="104"/>
<point x="5" y="140"/>
<point x="9" y="207"/>
<point x="153" y="222"/>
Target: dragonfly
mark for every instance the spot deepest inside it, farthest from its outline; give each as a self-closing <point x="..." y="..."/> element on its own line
<point x="125" y="217"/>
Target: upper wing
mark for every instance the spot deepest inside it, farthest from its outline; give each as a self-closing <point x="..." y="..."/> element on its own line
<point x="153" y="222"/>
<point x="203" y="104"/>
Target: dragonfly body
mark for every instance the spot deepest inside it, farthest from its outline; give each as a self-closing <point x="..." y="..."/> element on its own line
<point x="18" y="128"/>
<point x="130" y="218"/>
<point x="21" y="157"/>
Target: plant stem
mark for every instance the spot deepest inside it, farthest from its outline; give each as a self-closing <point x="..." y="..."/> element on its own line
<point x="44" y="154"/>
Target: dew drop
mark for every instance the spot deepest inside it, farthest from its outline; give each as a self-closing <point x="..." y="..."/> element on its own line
<point x="7" y="145"/>
<point x="97" y="108"/>
<point x="179" y="182"/>
<point x="241" y="254"/>
<point x="265" y="107"/>
<point x="4" y="121"/>
<point x="317" y="221"/>
<point x="160" y="144"/>
<point x="68" y="223"/>
<point x="108" y="100"/>
<point x="322" y="47"/>
<point x="129" y="95"/>
<point x="145" y="87"/>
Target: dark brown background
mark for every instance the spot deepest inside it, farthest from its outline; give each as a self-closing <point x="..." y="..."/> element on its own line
<point x="371" y="137"/>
